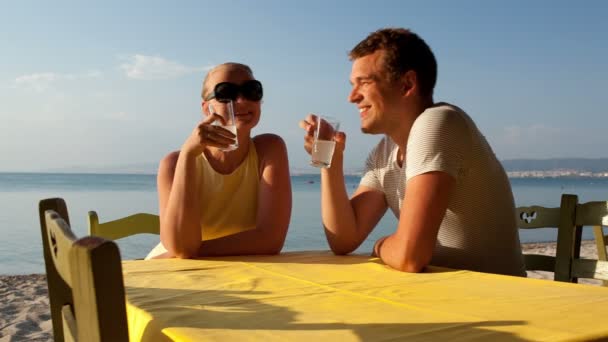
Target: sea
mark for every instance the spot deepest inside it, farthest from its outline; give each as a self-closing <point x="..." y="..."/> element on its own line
<point x="117" y="195"/>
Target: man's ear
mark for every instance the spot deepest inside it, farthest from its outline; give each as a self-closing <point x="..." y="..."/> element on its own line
<point x="409" y="83"/>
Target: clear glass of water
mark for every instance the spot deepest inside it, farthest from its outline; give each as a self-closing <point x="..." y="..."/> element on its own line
<point x="323" y="145"/>
<point x="225" y="110"/>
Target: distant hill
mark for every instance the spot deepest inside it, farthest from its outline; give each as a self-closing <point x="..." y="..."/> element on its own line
<point x="578" y="164"/>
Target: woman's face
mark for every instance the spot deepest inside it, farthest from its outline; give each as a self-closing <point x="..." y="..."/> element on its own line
<point x="247" y="112"/>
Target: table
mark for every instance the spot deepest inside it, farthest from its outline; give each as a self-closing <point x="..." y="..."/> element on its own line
<point x="316" y="296"/>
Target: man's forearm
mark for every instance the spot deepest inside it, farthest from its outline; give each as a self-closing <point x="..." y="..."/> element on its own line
<point x="337" y="213"/>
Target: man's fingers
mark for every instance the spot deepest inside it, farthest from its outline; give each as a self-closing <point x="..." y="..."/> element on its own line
<point x="340" y="139"/>
<point x="311" y="118"/>
<point x="308" y="124"/>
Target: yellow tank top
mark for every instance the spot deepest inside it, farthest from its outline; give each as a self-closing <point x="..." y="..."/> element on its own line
<point x="229" y="202"/>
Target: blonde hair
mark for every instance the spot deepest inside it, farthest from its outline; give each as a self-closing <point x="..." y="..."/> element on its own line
<point x="232" y="65"/>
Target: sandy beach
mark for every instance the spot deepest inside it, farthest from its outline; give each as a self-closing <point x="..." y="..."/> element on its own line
<point x="25" y="316"/>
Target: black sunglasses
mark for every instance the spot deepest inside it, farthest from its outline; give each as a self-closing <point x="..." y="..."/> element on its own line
<point x="226" y="91"/>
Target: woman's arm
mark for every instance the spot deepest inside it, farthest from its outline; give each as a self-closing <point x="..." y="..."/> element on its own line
<point x="179" y="205"/>
<point x="274" y="206"/>
<point x="178" y="191"/>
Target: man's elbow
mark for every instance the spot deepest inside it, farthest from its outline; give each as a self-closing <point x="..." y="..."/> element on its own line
<point x="341" y="249"/>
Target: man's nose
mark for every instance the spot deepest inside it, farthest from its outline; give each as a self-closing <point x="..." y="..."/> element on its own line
<point x="354" y="96"/>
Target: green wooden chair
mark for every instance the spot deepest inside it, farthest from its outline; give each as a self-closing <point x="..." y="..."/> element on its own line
<point x="533" y="217"/>
<point x="84" y="277"/>
<point x="591" y="214"/>
<point x="139" y="223"/>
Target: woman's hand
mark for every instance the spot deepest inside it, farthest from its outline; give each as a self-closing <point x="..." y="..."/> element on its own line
<point x="206" y="134"/>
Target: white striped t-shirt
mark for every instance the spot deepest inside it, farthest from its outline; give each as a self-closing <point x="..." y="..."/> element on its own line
<point x="478" y="231"/>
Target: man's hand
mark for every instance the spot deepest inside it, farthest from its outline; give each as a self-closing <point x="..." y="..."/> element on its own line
<point x="309" y="125"/>
<point x="378" y="246"/>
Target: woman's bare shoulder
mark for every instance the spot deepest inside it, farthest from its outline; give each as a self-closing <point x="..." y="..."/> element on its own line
<point x="167" y="164"/>
<point x="270" y="146"/>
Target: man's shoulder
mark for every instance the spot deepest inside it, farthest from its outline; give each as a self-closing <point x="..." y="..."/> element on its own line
<point x="443" y="117"/>
<point x="443" y="110"/>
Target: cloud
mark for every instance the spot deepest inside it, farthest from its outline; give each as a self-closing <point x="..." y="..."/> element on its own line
<point x="42" y="81"/>
<point x="142" y="67"/>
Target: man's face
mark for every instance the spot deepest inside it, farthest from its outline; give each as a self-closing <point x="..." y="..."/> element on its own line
<point x="377" y="98"/>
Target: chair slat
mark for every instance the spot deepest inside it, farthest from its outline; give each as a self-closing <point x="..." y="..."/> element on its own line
<point x="539" y="262"/>
<point x="592" y="214"/>
<point x="70" y="332"/>
<point x="533" y="217"/>
<point x="140" y="223"/>
<point x="587" y="268"/>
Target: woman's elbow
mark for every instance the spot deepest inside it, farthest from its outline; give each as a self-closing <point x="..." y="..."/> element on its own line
<point x="185" y="255"/>
<point x="276" y="246"/>
<point x="411" y="266"/>
<point x="183" y="252"/>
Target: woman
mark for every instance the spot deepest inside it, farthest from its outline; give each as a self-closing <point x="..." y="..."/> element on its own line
<point x="216" y="202"/>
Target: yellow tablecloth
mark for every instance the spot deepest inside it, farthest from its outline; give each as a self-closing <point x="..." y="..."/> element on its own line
<point x="316" y="296"/>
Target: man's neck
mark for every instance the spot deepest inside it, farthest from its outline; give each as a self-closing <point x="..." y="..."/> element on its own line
<point x="401" y="133"/>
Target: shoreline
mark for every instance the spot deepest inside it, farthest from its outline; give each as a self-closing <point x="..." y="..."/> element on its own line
<point x="25" y="315"/>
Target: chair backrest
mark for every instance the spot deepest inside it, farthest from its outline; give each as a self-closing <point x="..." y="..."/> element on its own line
<point x="533" y="217"/>
<point x="84" y="277"/>
<point x="139" y="223"/>
<point x="591" y="214"/>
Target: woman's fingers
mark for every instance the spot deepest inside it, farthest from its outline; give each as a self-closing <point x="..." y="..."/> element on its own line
<point x="216" y="136"/>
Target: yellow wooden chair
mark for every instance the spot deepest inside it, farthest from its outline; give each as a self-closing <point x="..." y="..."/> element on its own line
<point x="139" y="223"/>
<point x="533" y="217"/>
<point x="84" y="277"/>
<point x="591" y="214"/>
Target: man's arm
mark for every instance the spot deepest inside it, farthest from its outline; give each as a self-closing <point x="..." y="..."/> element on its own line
<point x="274" y="206"/>
<point x="347" y="222"/>
<point x="411" y="247"/>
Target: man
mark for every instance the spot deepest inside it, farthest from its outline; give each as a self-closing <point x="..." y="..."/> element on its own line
<point x="433" y="169"/>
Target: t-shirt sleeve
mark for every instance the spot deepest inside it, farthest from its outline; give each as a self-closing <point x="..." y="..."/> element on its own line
<point x="371" y="176"/>
<point x="439" y="141"/>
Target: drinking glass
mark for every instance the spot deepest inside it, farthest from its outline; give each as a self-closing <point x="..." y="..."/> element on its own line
<point x="324" y="144"/>
<point x="225" y="110"/>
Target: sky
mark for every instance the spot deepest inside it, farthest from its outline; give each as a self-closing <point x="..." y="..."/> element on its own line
<point x="108" y="85"/>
